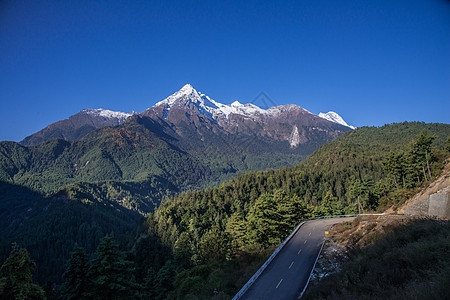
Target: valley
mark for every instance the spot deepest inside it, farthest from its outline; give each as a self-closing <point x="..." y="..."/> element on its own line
<point x="193" y="195"/>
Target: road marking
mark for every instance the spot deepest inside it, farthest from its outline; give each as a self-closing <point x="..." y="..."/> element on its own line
<point x="291" y="265"/>
<point x="310" y="234"/>
<point x="299" y="251"/>
<point x="305" y="242"/>
<point x="279" y="282"/>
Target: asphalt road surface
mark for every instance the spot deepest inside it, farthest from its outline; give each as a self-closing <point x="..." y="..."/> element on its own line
<point x="287" y="274"/>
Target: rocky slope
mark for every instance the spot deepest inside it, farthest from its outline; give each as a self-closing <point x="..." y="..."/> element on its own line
<point x="77" y="126"/>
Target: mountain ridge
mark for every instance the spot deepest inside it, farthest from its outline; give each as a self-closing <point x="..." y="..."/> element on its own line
<point x="77" y="126"/>
<point x="181" y="143"/>
<point x="185" y="99"/>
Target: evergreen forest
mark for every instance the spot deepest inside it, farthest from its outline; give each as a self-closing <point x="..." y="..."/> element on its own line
<point x="111" y="239"/>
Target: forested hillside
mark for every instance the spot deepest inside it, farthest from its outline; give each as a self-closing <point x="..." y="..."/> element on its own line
<point x="201" y="240"/>
<point x="49" y="227"/>
<point x="142" y="153"/>
<point x="219" y="228"/>
<point x="60" y="192"/>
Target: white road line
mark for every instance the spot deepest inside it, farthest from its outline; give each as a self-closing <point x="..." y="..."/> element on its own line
<point x="291" y="265"/>
<point x="305" y="242"/>
<point x="299" y="251"/>
<point x="310" y="234"/>
<point x="279" y="283"/>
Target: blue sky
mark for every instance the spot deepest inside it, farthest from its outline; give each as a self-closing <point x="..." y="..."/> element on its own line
<point x="373" y="62"/>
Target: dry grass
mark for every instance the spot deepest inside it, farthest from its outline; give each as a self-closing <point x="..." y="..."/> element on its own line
<point x="390" y="258"/>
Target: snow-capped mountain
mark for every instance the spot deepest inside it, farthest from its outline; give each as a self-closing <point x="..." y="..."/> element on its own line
<point x="207" y="105"/>
<point x="216" y="110"/>
<point x="334" y="117"/>
<point x="188" y="111"/>
<point x="193" y="116"/>
<point x="78" y="125"/>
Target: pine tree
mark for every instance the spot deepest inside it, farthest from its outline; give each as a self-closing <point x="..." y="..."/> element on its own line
<point x="287" y="210"/>
<point x="16" y="281"/>
<point x="163" y="282"/>
<point x="236" y="229"/>
<point x="148" y="286"/>
<point x="111" y="276"/>
<point x="396" y="165"/>
<point x="76" y="283"/>
<point x="263" y="221"/>
<point x="448" y="144"/>
<point x="214" y="244"/>
<point x="421" y="152"/>
<point x="183" y="249"/>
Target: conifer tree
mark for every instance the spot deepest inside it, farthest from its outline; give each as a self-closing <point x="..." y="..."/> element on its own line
<point x="236" y="229"/>
<point x="396" y="165"/>
<point x="214" y="244"/>
<point x="16" y="281"/>
<point x="183" y="249"/>
<point x="163" y="282"/>
<point x="421" y="152"/>
<point x="263" y="221"/>
<point x="287" y="211"/>
<point x="111" y="276"/>
<point x="76" y="282"/>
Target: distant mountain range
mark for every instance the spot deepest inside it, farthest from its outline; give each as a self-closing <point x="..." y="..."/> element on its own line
<point x="187" y="141"/>
<point x="232" y="118"/>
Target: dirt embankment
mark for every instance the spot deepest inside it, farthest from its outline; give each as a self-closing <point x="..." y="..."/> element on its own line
<point x="343" y="237"/>
<point x="440" y="185"/>
<point x="366" y="230"/>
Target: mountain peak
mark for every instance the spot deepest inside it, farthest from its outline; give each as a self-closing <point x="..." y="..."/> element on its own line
<point x="187" y="98"/>
<point x="187" y="91"/>
<point x="214" y="109"/>
<point x="335" y="117"/>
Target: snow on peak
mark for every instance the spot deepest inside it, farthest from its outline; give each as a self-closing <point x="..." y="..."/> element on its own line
<point x="109" y="114"/>
<point x="215" y="109"/>
<point x="334" y="117"/>
<point x="208" y="105"/>
<point x="186" y="91"/>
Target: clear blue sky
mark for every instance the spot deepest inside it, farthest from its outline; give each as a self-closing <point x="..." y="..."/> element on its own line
<point x="373" y="62"/>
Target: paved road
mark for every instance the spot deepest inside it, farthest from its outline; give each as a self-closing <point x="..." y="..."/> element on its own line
<point x="287" y="274"/>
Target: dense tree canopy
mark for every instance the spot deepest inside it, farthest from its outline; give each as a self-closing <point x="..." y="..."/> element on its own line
<point x="16" y="281"/>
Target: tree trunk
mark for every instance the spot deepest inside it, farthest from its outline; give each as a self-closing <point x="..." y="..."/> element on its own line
<point x="396" y="184"/>
<point x="404" y="184"/>
<point x="428" y="165"/>
<point x="424" y="173"/>
<point x="360" y="206"/>
<point x="418" y="177"/>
